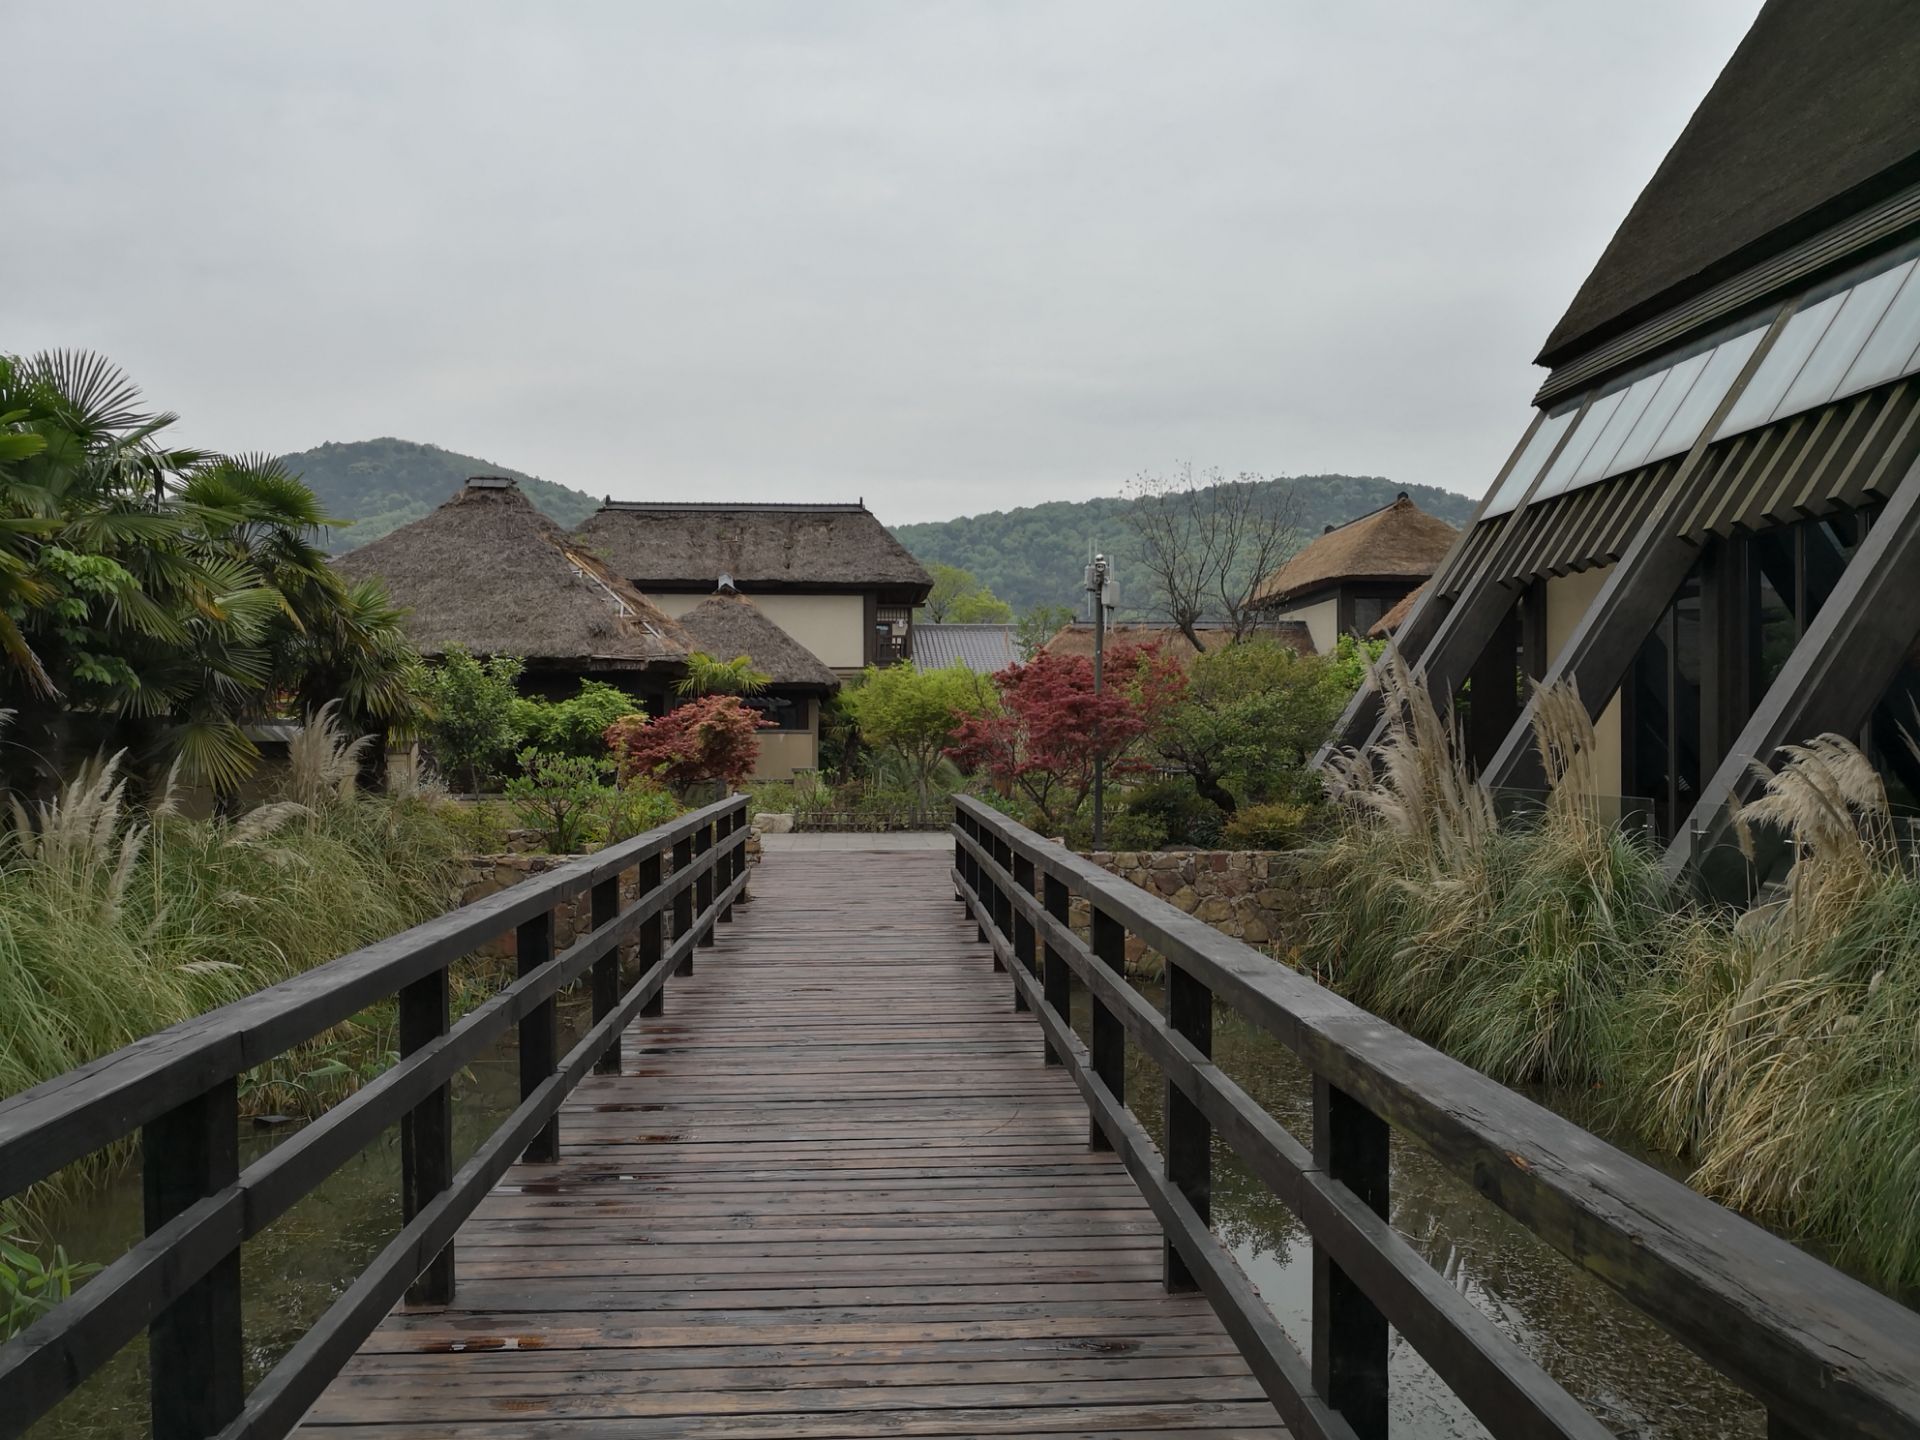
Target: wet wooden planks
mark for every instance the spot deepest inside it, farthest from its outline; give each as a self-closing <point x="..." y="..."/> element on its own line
<point x="834" y="1194"/>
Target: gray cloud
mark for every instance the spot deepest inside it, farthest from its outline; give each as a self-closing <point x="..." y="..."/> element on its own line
<point x="952" y="257"/>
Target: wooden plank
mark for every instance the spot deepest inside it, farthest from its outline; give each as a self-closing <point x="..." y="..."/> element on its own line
<point x="838" y="1193"/>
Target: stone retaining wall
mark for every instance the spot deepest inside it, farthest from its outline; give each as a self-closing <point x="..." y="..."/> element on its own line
<point x="1265" y="898"/>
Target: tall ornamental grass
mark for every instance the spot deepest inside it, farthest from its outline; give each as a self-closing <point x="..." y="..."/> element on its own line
<point x="117" y="922"/>
<point x="1777" y="1051"/>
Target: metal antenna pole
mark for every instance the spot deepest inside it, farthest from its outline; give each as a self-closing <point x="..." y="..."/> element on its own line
<point x="1097" y="573"/>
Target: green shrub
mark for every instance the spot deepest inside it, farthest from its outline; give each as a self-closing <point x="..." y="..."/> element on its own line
<point x="480" y="826"/>
<point x="576" y="726"/>
<point x="475" y="724"/>
<point x="1277" y="825"/>
<point x="1165" y="814"/>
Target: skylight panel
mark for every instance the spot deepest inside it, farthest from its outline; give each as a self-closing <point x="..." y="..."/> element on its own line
<point x="1770" y="383"/>
<point x="1859" y="312"/>
<point x="1890" y="351"/>
<point x="1528" y="465"/>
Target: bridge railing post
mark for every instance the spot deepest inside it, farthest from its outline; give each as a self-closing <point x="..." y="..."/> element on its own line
<point x="729" y="823"/>
<point x="606" y="971"/>
<point x="539" y="1031"/>
<point x="426" y="1131"/>
<point x="997" y="904"/>
<point x="1109" y="1037"/>
<point x="195" y="1347"/>
<point x="1350" y="1143"/>
<point x="703" y="886"/>
<point x="959" y="851"/>
<point x="1023" y="931"/>
<point x="683" y="902"/>
<point x="1056" y="978"/>
<point x="1189" y="1158"/>
<point x="651" y="945"/>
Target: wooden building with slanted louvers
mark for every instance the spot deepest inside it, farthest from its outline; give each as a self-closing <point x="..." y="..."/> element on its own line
<point x="487" y="572"/>
<point x="726" y="625"/>
<point x="1711" y="522"/>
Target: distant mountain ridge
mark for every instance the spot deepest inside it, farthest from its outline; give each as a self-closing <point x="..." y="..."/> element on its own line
<point x="1030" y="556"/>
<point x="383" y="484"/>
<point x="1035" y="555"/>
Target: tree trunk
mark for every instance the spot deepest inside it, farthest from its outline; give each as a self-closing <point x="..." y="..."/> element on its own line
<point x="1210" y="788"/>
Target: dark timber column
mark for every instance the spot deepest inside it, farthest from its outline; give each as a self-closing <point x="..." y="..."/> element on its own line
<point x="1493" y="696"/>
<point x="1023" y="933"/>
<point x="1189" y="1136"/>
<point x="652" y="944"/>
<point x="194" y="1346"/>
<point x="703" y="886"/>
<point x="539" y="1032"/>
<point x="1109" y="1048"/>
<point x="1845" y="660"/>
<point x="1349" y="1334"/>
<point x="426" y="1131"/>
<point x="726" y="828"/>
<point x="1631" y="602"/>
<point x="1056" y="980"/>
<point x="606" y="970"/>
<point x="683" y="901"/>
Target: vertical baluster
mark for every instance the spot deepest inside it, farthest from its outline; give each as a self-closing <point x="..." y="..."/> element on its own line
<point x="426" y="1131"/>
<point x="606" y="971"/>
<point x="195" y="1346"/>
<point x="683" y="902"/>
<point x="1023" y="932"/>
<point x="996" y="902"/>
<point x="740" y="822"/>
<point x="959" y="854"/>
<point x="975" y="881"/>
<point x="539" y="1031"/>
<point x="1109" y="1038"/>
<point x="1189" y="1136"/>
<point x="726" y="828"/>
<point x="703" y="887"/>
<point x="651" y="943"/>
<point x="1056" y="980"/>
<point x="1349" y="1334"/>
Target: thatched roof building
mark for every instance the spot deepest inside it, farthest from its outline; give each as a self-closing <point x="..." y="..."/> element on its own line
<point x="728" y="624"/>
<point x="682" y="545"/>
<point x="1351" y="575"/>
<point x="488" y="572"/>
<point x="1384" y="627"/>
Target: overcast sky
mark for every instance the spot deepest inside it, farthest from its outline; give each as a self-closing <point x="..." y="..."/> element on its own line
<point x="950" y="257"/>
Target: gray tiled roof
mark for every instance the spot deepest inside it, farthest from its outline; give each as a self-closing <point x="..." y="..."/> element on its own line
<point x="983" y="648"/>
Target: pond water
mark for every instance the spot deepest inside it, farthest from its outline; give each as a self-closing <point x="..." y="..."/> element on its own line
<point x="1639" y="1381"/>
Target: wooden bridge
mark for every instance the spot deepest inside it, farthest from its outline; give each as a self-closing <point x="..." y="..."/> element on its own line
<point x="827" y="1165"/>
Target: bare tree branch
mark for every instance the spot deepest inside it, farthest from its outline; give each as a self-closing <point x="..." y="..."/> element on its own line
<point x="1207" y="544"/>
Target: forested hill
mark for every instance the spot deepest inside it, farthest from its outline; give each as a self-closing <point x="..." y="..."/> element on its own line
<point x="382" y="484"/>
<point x="1035" y="555"/>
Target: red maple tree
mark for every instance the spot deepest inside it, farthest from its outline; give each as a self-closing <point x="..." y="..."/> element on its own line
<point x="712" y="738"/>
<point x="1051" y="726"/>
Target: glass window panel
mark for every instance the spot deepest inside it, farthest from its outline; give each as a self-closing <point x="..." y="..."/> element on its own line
<point x="1781" y="367"/>
<point x="1530" y="461"/>
<point x="1888" y="353"/>
<point x="1859" y="312"/>
<point x="1600" y="459"/>
<point x="1716" y="379"/>
<point x="1674" y="385"/>
<point x="1560" y="475"/>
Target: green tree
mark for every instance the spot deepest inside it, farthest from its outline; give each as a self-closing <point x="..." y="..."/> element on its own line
<point x="1039" y="625"/>
<point x="575" y="726"/>
<point x="959" y="598"/>
<point x="913" y="713"/>
<point x="1253" y="713"/>
<point x="708" y="676"/>
<point x="475" y="710"/>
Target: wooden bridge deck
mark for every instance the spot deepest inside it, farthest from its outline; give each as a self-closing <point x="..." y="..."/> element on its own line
<point x="834" y="1193"/>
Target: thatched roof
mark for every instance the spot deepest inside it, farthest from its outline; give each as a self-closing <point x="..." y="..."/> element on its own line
<point x="728" y="624"/>
<point x="1077" y="638"/>
<point x="489" y="572"/>
<point x="683" y="545"/>
<point x="1388" y="623"/>
<point x="1816" y="117"/>
<point x="1396" y="542"/>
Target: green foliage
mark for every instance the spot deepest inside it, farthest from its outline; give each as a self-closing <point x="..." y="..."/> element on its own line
<point x="708" y="676"/>
<point x="576" y="726"/>
<point x="1352" y="659"/>
<point x="1164" y="815"/>
<point x="912" y="714"/>
<point x="1272" y="825"/>
<point x="476" y="715"/>
<point x="1252" y="715"/>
<point x="31" y="1286"/>
<point x="564" y="797"/>
<point x="380" y="485"/>
<point x="1035" y="555"/>
<point x="1040" y="624"/>
<point x="479" y="827"/>
<point x="959" y="598"/>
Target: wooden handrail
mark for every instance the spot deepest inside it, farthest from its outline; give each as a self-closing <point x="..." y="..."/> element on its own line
<point x="1825" y="1354"/>
<point x="177" y="1089"/>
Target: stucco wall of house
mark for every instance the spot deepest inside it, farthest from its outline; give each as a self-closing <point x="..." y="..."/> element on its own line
<point x="785" y="752"/>
<point x="833" y="627"/>
<point x="1322" y="619"/>
<point x="1568" y="598"/>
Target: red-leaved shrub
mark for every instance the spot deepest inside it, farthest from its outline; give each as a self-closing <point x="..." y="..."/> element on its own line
<point x="712" y="738"/>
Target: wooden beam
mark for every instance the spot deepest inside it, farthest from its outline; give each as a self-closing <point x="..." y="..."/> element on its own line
<point x="1634" y="597"/>
<point x="1847" y="657"/>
